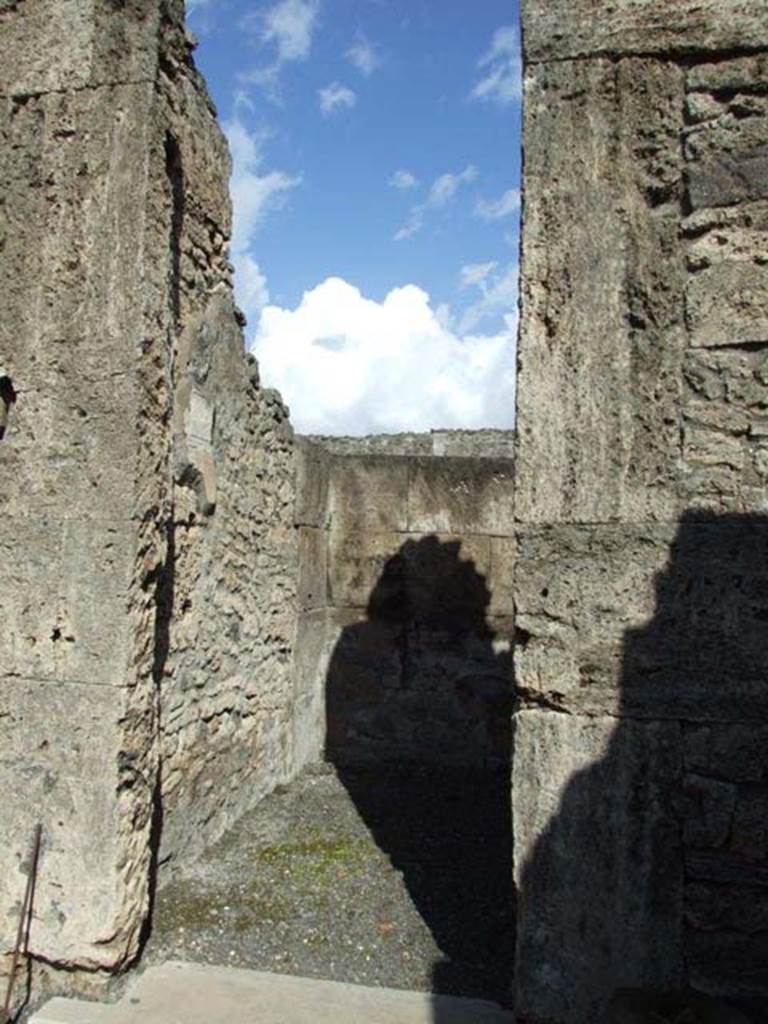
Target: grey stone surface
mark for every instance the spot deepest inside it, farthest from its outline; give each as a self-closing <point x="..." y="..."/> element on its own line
<point x="597" y="862"/>
<point x="403" y="648"/>
<point x="149" y="556"/>
<point x="648" y="621"/>
<point x="471" y="496"/>
<point x="602" y="332"/>
<point x="559" y="29"/>
<point x="369" y="493"/>
<point x="641" y="497"/>
<point x="480" y="444"/>
<point x="215" y="995"/>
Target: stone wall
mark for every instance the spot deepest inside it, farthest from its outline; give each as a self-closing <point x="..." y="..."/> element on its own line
<point x="481" y="444"/>
<point x="640" y="798"/>
<point x="405" y="629"/>
<point x="148" y="576"/>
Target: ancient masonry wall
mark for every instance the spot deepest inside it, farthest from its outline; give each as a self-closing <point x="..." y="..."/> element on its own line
<point x="406" y="620"/>
<point x="640" y="782"/>
<point x="148" y="570"/>
<point x="484" y="444"/>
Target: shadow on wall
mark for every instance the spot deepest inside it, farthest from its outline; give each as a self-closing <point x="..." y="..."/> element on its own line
<point x="651" y="864"/>
<point x="418" y="707"/>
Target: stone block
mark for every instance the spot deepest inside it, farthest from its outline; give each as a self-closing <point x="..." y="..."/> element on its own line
<point x="61" y="747"/>
<point x="67" y="452"/>
<point x="730" y="76"/>
<point x="602" y="332"/>
<point x="369" y="493"/>
<point x="501" y="577"/>
<point x="560" y="29"/>
<point x="727" y="160"/>
<point x="749" y="837"/>
<point x="66" y="595"/>
<point x="311" y="474"/>
<point x="647" y="621"/>
<point x="446" y="583"/>
<point x="711" y="908"/>
<point x="727" y="750"/>
<point x="364" y="670"/>
<point x="313" y="568"/>
<point x="77" y="292"/>
<point x="314" y="642"/>
<point x="727" y="304"/>
<point x="709" y="807"/>
<point x="364" y="567"/>
<point x="731" y="963"/>
<point x="724" y="867"/>
<point x="461" y="496"/>
<point x="726" y="233"/>
<point x="598" y="863"/>
<point x="57" y="46"/>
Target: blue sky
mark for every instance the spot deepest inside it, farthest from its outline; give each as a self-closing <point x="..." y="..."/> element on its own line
<point x="376" y="148"/>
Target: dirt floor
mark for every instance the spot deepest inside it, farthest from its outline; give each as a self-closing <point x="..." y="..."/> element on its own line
<point x="398" y="877"/>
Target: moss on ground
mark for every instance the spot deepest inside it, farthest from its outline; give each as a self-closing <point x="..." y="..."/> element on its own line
<point x="282" y="877"/>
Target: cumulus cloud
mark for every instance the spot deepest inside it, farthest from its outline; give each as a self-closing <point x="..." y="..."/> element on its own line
<point x="364" y="57"/>
<point x="495" y="209"/>
<point x="498" y="295"/>
<point x="403" y="180"/>
<point x="336" y="97"/>
<point x="475" y="273"/>
<point x="254" y="195"/>
<point x="442" y="190"/>
<point x="348" y="364"/>
<point x="502" y="69"/>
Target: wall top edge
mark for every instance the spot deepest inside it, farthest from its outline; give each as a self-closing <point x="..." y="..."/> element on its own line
<point x="570" y="29"/>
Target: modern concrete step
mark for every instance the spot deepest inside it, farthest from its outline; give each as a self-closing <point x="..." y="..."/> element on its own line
<point x="185" y="993"/>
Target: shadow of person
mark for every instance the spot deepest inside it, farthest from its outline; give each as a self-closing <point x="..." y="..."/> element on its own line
<point x="644" y="842"/>
<point x="418" y="716"/>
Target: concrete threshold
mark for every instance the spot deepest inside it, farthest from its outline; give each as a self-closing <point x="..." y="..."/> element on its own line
<point x="186" y="993"/>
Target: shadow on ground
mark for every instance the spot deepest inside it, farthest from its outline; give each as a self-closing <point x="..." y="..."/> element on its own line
<point x="418" y="709"/>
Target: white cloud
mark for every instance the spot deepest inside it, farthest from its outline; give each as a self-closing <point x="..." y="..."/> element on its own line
<point x="412" y="226"/>
<point x="495" y="209"/>
<point x="446" y="186"/>
<point x="363" y="56"/>
<point x="498" y="296"/>
<point x="502" y="66"/>
<point x="252" y="291"/>
<point x="289" y="25"/>
<point x="475" y="273"/>
<point x="403" y="180"/>
<point x="253" y="196"/>
<point x="336" y="97"/>
<point x="442" y="190"/>
<point x="347" y="364"/>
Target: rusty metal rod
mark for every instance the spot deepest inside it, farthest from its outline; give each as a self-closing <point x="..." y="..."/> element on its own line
<point x="25" y="920"/>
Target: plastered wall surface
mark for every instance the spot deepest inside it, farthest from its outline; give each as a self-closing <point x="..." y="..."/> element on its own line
<point x="148" y="578"/>
<point x="406" y="622"/>
<point x="639" y="796"/>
